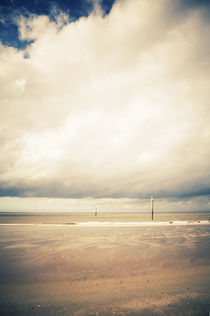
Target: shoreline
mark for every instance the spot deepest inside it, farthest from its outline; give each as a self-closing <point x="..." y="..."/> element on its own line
<point x="121" y="224"/>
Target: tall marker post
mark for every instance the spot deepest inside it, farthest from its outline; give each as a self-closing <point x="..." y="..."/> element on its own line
<point x="152" y="207"/>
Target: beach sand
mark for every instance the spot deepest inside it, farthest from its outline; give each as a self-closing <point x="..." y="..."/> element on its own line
<point x="74" y="270"/>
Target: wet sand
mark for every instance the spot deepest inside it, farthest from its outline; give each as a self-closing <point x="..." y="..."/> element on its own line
<point x="74" y="270"/>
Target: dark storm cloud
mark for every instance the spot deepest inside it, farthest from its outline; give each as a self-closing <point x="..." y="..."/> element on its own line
<point x="203" y="6"/>
<point x="194" y="3"/>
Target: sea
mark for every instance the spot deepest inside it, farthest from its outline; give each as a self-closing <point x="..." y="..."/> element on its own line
<point x="103" y="218"/>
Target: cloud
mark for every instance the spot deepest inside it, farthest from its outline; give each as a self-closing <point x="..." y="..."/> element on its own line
<point x="113" y="106"/>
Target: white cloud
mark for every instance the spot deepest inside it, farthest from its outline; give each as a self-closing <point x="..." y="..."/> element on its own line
<point x="114" y="106"/>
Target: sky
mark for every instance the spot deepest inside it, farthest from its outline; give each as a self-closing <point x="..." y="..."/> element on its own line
<point x="103" y="103"/>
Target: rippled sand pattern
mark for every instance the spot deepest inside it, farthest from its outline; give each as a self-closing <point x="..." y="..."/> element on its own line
<point x="73" y="270"/>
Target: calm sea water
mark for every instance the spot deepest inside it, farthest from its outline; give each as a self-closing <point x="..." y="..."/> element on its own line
<point x="64" y="218"/>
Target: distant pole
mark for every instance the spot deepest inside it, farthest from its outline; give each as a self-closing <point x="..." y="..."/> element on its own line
<point x="96" y="212"/>
<point x="152" y="207"/>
